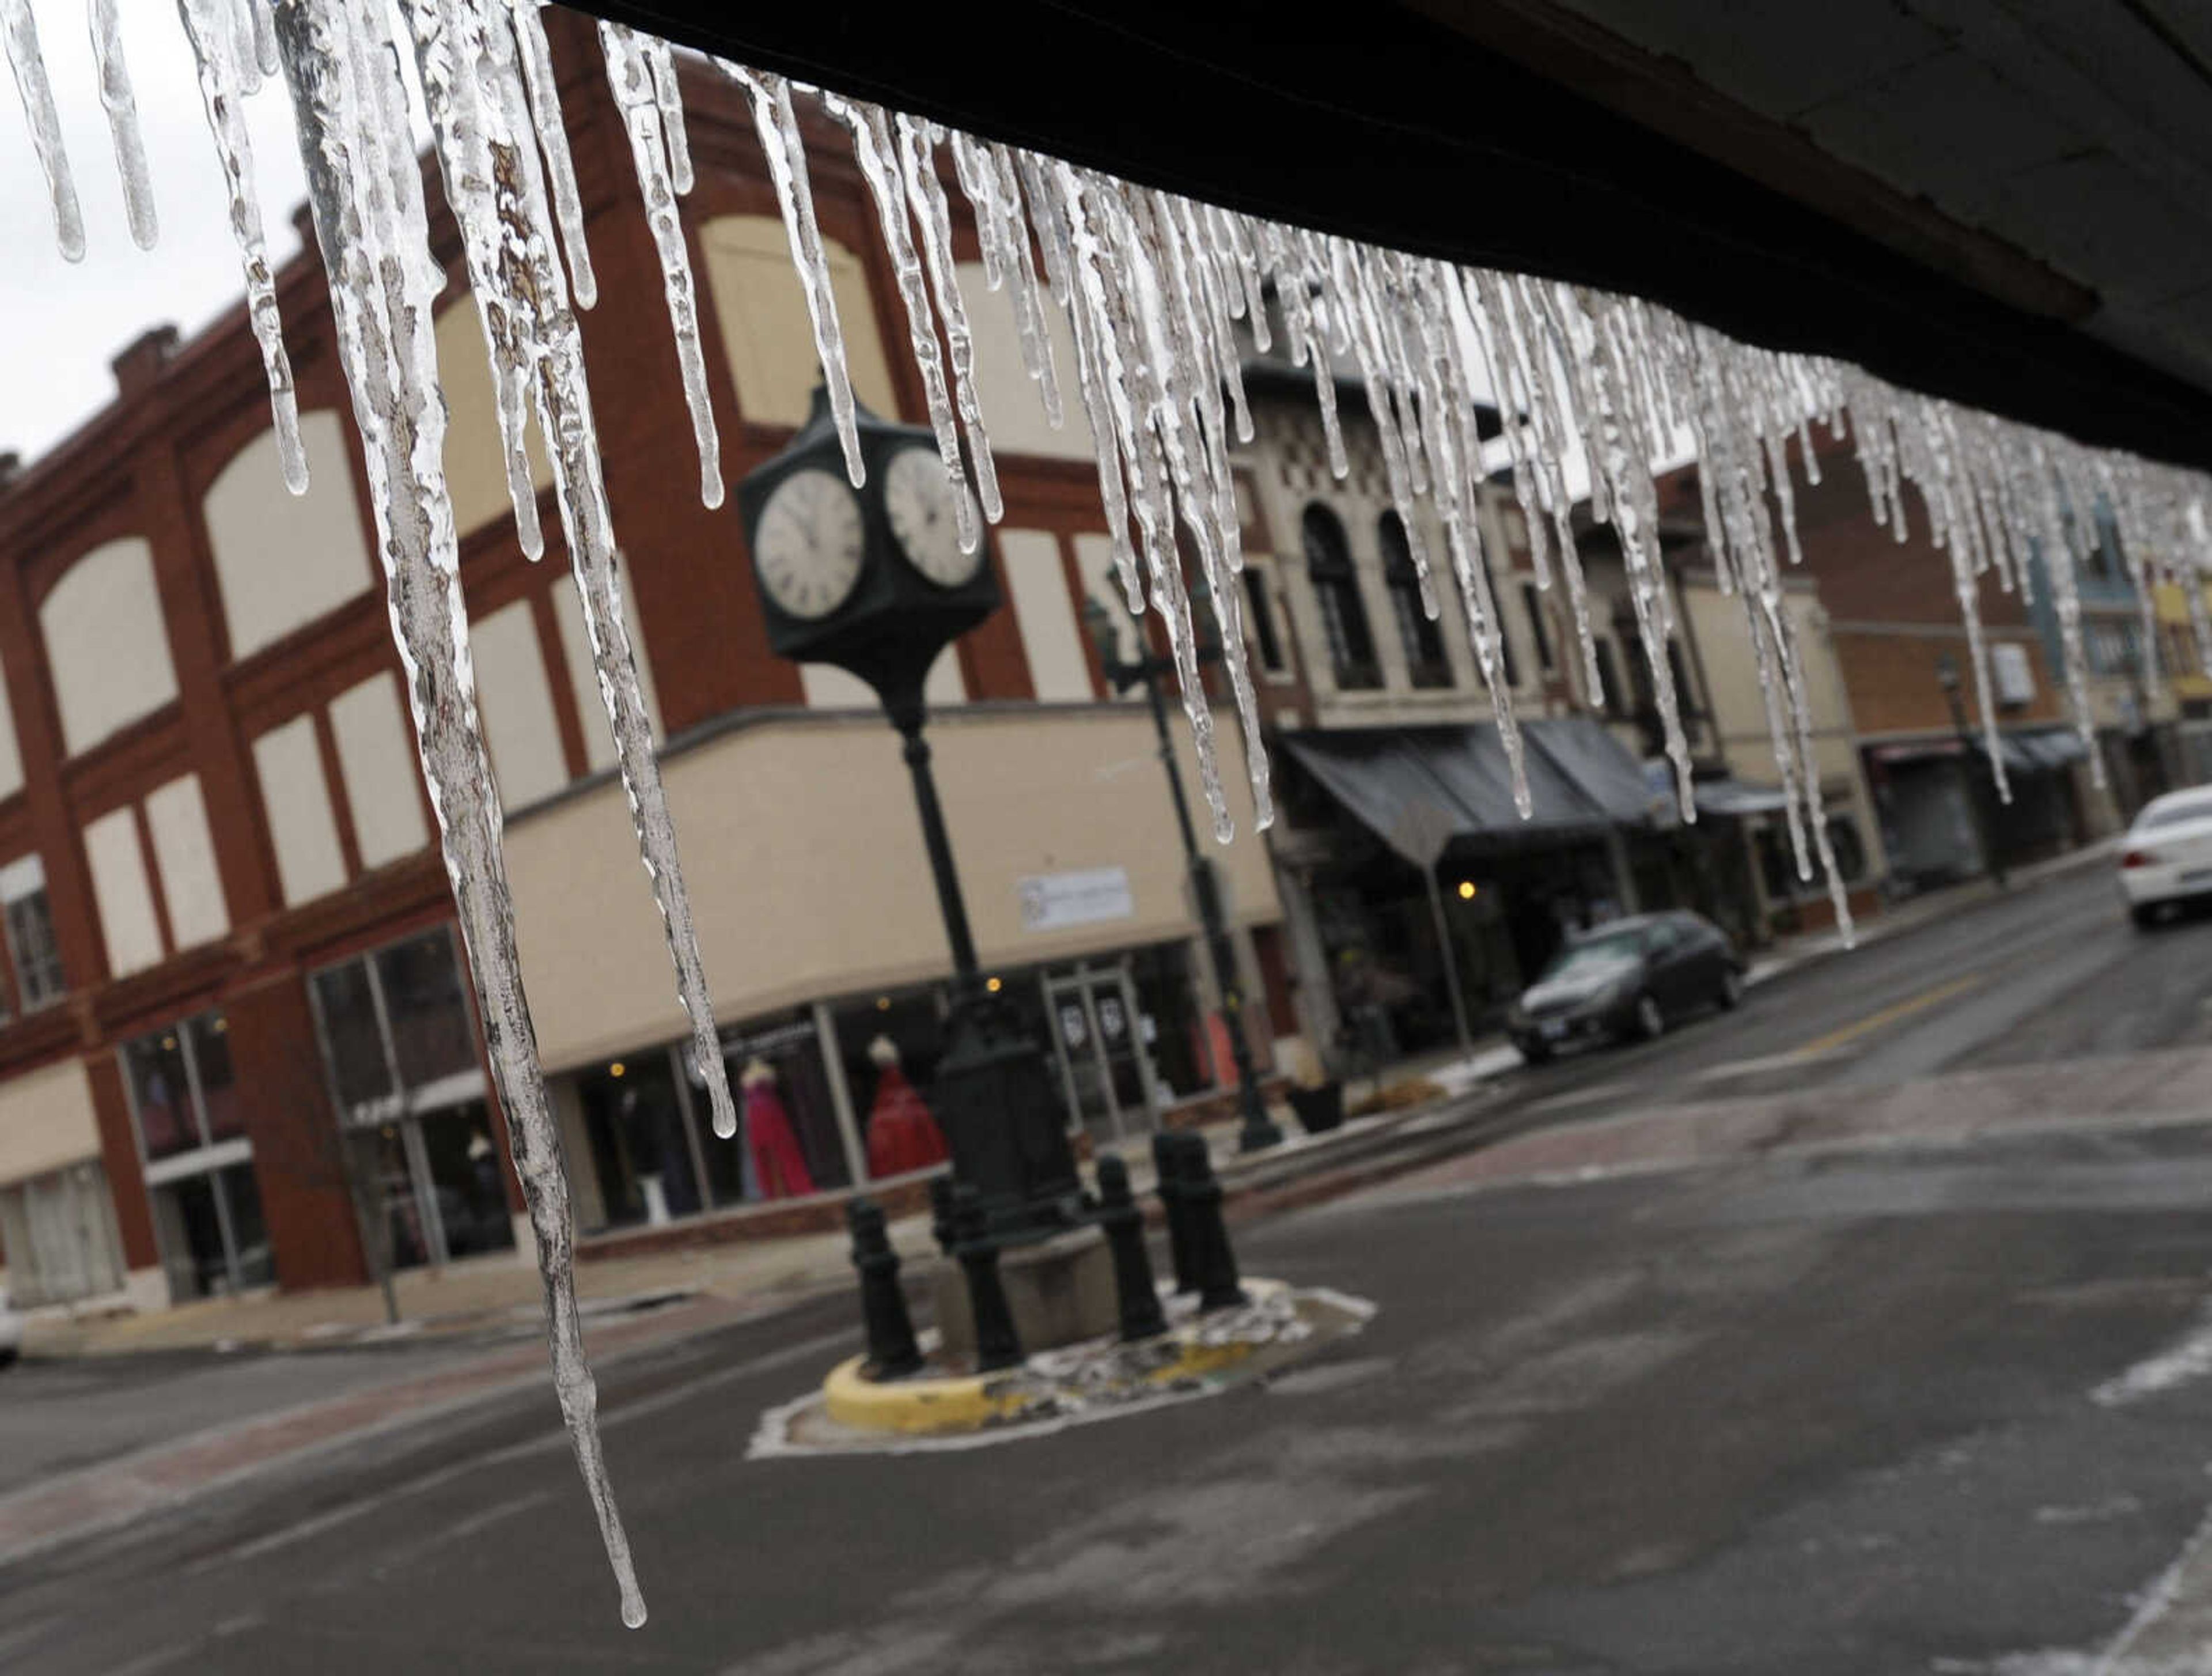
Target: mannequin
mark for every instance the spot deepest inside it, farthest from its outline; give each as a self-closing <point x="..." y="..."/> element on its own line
<point x="902" y="1134"/>
<point x="777" y="1161"/>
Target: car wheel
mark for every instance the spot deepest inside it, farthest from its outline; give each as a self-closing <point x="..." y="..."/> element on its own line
<point x="8" y="1356"/>
<point x="2145" y="915"/>
<point x="1534" y="1052"/>
<point x="1731" y="993"/>
<point x="1650" y="1021"/>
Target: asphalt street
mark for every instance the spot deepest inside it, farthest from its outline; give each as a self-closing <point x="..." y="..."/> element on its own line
<point x="1936" y="1410"/>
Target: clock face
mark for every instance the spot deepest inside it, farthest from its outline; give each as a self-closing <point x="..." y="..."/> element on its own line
<point x="918" y="496"/>
<point x="809" y="544"/>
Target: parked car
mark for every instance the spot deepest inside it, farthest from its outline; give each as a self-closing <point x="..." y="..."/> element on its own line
<point x="2166" y="857"/>
<point x="11" y="1331"/>
<point x="1624" y="981"/>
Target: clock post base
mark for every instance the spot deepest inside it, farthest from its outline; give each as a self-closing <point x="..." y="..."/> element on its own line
<point x="996" y="1101"/>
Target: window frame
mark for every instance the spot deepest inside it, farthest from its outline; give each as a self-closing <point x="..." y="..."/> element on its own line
<point x="1333" y="576"/>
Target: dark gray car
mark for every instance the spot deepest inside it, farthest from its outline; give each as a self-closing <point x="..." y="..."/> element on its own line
<point x="1626" y="980"/>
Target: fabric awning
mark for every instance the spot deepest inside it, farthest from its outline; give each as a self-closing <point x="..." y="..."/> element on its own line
<point x="1579" y="778"/>
<point x="2053" y="747"/>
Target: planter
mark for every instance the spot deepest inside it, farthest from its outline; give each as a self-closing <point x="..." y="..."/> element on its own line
<point x="1319" y="1110"/>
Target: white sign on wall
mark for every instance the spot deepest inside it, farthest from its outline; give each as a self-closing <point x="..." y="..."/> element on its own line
<point x="2016" y="675"/>
<point x="1055" y="901"/>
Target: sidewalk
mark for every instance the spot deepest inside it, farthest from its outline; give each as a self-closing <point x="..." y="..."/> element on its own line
<point x="496" y="1298"/>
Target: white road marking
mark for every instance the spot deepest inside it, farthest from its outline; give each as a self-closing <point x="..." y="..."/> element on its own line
<point x="2187" y="1358"/>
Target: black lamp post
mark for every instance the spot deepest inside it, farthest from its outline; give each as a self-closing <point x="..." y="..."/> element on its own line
<point x="1258" y="1129"/>
<point x="1947" y="675"/>
<point x="875" y="582"/>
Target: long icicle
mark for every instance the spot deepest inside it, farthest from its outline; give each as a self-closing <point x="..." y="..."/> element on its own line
<point x="777" y="126"/>
<point x="545" y="91"/>
<point x="651" y="148"/>
<point x="22" y="31"/>
<point x="370" y="223"/>
<point x="101" y="16"/>
<point x="213" y="38"/>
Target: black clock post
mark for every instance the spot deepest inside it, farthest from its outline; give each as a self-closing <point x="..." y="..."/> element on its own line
<point x="882" y="600"/>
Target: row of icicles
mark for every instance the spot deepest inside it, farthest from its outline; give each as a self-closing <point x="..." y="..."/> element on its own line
<point x="1159" y="294"/>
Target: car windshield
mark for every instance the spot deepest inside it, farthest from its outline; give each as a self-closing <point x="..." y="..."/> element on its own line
<point x="2174" y="814"/>
<point x="1597" y="954"/>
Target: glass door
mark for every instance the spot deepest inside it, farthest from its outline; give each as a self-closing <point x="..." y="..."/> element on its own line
<point x="1097" y="1039"/>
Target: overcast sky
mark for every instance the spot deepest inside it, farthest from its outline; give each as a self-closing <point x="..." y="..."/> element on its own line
<point x="65" y="319"/>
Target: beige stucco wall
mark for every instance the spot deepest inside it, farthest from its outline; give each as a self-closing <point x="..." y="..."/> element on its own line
<point x="121" y="893"/>
<point x="301" y="824"/>
<point x="807" y="873"/>
<point x="765" y="332"/>
<point x="283" y="560"/>
<point x="1013" y="407"/>
<point x="184" y="852"/>
<point x="106" y="643"/>
<point x="46" y="1121"/>
<point x="376" y="756"/>
<point x="476" y="468"/>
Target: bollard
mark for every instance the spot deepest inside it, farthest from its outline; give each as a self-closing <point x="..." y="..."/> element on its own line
<point x="997" y="1343"/>
<point x="891" y="1350"/>
<point x="1215" y="1264"/>
<point x="1124" y="1227"/>
<point x="941" y="1213"/>
<point x="1167" y="1166"/>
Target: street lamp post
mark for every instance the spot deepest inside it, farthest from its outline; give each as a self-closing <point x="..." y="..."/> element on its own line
<point x="1258" y="1129"/>
<point x="1947" y="675"/>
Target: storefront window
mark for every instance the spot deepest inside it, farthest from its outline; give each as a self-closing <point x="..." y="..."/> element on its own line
<point x="199" y="1176"/>
<point x="30" y="927"/>
<point x="399" y="1042"/>
<point x="154" y="1068"/>
<point x="782" y="1088"/>
<point x="352" y="1042"/>
<point x="432" y="1035"/>
<point x="209" y="1034"/>
<point x="58" y="1232"/>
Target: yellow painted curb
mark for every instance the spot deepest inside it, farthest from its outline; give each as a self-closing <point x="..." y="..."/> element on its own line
<point x="919" y="1404"/>
<point x="973" y="1402"/>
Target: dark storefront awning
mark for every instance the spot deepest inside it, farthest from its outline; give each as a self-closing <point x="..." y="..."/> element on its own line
<point x="2028" y="750"/>
<point x="1581" y="781"/>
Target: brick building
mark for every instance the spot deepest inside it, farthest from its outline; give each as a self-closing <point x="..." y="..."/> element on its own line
<point x="1890" y="617"/>
<point x="232" y="992"/>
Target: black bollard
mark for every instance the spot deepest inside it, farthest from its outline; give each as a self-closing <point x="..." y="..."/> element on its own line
<point x="1124" y="1227"/>
<point x="1215" y="1263"/>
<point x="997" y="1343"/>
<point x="1167" y="1167"/>
<point x="941" y="1213"/>
<point x="891" y="1350"/>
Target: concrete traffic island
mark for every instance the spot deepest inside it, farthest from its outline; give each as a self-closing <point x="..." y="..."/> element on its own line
<point x="948" y="1405"/>
<point x="1047" y="1350"/>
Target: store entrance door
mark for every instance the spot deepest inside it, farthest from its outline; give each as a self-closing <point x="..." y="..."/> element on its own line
<point x="1097" y="1036"/>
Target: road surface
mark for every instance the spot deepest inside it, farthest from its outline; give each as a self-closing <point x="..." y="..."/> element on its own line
<point x="1944" y="1408"/>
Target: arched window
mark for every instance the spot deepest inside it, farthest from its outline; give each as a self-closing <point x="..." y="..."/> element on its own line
<point x="107" y="646"/>
<point x="1336" y="592"/>
<point x="1424" y="641"/>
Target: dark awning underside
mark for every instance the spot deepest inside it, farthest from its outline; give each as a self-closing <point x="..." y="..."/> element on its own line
<point x="1580" y="780"/>
<point x="1499" y="134"/>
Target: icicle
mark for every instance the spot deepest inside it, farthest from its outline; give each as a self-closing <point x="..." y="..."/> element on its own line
<point x="212" y="37"/>
<point x="24" y="58"/>
<point x="777" y="124"/>
<point x="1092" y="373"/>
<point x="1028" y="304"/>
<point x="245" y="55"/>
<point x="924" y="194"/>
<point x="651" y="144"/>
<point x="115" y="97"/>
<point x="668" y="94"/>
<point x="876" y="152"/>
<point x="350" y="107"/>
<point x="544" y="92"/>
